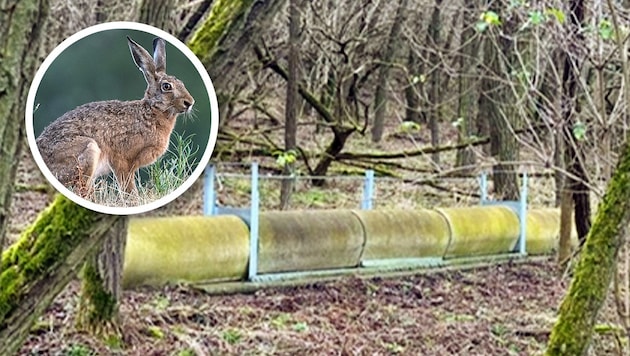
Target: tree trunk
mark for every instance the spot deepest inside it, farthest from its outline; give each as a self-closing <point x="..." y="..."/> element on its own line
<point x="572" y="332"/>
<point x="435" y="82"/>
<point x="413" y="88"/>
<point x="227" y="33"/>
<point x="503" y="145"/>
<point x="156" y="13"/>
<point x="467" y="82"/>
<point x="292" y="102"/>
<point x="102" y="284"/>
<point x="577" y="179"/>
<point x="380" y="98"/>
<point x="566" y="224"/>
<point x="42" y="262"/>
<point x="20" y="30"/>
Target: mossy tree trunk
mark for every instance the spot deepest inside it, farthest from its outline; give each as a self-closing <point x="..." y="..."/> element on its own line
<point x="227" y="33"/>
<point x="102" y="283"/>
<point x="593" y="273"/>
<point x="20" y="29"/>
<point x="38" y="267"/>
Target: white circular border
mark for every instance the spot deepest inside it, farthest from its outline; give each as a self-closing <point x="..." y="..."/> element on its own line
<point x="214" y="112"/>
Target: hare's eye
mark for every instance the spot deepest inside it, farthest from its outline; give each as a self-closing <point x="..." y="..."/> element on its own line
<point x="166" y="86"/>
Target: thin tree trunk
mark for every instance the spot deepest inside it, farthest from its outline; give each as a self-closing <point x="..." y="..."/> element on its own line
<point x="39" y="266"/>
<point x="20" y="31"/>
<point x="503" y="144"/>
<point x="467" y="82"/>
<point x="577" y="180"/>
<point x="566" y="224"/>
<point x="435" y="83"/>
<point x="292" y="102"/>
<point x="380" y="98"/>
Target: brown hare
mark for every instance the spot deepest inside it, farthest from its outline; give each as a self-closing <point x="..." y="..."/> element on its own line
<point x="117" y="136"/>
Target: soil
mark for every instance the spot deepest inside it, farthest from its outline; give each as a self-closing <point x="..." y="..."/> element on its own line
<point x="503" y="309"/>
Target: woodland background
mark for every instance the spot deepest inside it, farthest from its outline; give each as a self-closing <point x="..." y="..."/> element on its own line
<point x="422" y="91"/>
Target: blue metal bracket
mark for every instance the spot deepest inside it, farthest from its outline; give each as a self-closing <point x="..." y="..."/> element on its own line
<point x="368" y="190"/>
<point x="519" y="207"/>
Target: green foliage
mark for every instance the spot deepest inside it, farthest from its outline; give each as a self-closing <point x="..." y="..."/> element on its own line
<point x="300" y="327"/>
<point x="186" y="352"/>
<point x="78" y="350"/>
<point x="409" y="127"/>
<point x="556" y="14"/>
<point x="173" y="168"/>
<point x="284" y="158"/>
<point x="487" y="19"/>
<point x="155" y="332"/>
<point x="605" y="29"/>
<point x="114" y="342"/>
<point x="579" y="131"/>
<point x="232" y="336"/>
<point x="536" y="17"/>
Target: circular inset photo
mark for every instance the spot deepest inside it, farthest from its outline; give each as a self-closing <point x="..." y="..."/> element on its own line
<point x="122" y="118"/>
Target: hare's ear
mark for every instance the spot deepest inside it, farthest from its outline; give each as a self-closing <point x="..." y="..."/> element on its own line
<point x="143" y="60"/>
<point x="159" y="54"/>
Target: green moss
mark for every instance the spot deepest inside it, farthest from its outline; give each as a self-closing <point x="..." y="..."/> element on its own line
<point x="593" y="273"/>
<point x="45" y="244"/>
<point x="97" y="304"/>
<point x="224" y="15"/>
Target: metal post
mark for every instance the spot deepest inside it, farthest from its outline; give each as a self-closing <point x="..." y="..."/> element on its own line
<point x="209" y="195"/>
<point x="483" y="183"/>
<point x="522" y="215"/>
<point x="253" y="228"/>
<point x="368" y="190"/>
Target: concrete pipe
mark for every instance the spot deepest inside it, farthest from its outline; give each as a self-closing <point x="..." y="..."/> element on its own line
<point x="403" y="233"/>
<point x="543" y="231"/>
<point x="483" y="230"/>
<point x="309" y="240"/>
<point x="187" y="248"/>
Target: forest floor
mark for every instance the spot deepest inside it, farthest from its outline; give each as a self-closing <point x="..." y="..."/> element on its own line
<point x="503" y="309"/>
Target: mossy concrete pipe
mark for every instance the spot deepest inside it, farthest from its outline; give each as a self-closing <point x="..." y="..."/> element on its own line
<point x="309" y="240"/>
<point x="187" y="248"/>
<point x="543" y="231"/>
<point x="482" y="230"/>
<point x="398" y="233"/>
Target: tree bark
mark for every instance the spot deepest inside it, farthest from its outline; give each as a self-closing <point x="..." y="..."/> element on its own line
<point x="20" y="30"/>
<point x="228" y="32"/>
<point x="435" y="83"/>
<point x="102" y="283"/>
<point x="292" y="102"/>
<point x="380" y="98"/>
<point x="156" y="13"/>
<point x="38" y="267"/>
<point x="498" y="53"/>
<point x="572" y="332"/>
<point x="577" y="179"/>
<point x="467" y="83"/>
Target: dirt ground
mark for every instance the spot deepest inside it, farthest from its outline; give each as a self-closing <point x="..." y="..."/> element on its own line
<point x="504" y="309"/>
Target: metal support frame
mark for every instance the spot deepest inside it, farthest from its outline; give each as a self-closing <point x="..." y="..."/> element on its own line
<point x="368" y="190"/>
<point x="519" y="207"/>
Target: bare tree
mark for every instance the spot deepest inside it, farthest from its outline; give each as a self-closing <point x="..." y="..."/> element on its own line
<point x="292" y="103"/>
